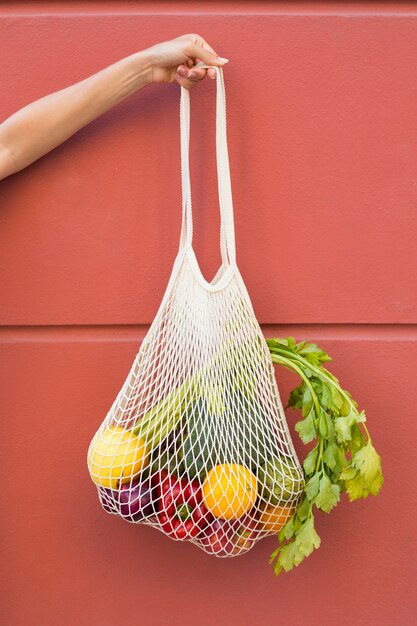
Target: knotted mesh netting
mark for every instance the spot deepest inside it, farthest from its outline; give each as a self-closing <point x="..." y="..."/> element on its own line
<point x="196" y="443"/>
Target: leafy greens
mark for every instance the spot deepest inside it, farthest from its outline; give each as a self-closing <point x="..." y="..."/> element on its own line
<point x="343" y="458"/>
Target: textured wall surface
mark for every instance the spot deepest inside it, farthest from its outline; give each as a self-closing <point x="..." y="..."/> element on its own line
<point x="322" y="144"/>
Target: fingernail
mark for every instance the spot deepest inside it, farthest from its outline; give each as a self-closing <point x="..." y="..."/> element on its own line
<point x="222" y="60"/>
<point x="182" y="71"/>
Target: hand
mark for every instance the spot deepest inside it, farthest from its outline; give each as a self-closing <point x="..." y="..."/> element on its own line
<point x="174" y="60"/>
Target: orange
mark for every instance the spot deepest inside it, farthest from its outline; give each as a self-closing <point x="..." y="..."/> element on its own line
<point x="273" y="518"/>
<point x="229" y="491"/>
<point x="116" y="454"/>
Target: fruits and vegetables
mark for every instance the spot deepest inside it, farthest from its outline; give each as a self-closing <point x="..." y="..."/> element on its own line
<point x="107" y="500"/>
<point x="114" y="455"/>
<point x="244" y="535"/>
<point x="181" y="512"/>
<point x="217" y="538"/>
<point x="235" y="436"/>
<point x="273" y="518"/>
<point x="134" y="502"/>
<point x="229" y="537"/>
<point x="279" y="479"/>
<point x="229" y="491"/>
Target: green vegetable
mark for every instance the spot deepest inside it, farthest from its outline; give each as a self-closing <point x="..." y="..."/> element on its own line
<point x="278" y="479"/>
<point x="343" y="458"/>
<point x="164" y="417"/>
<point x="237" y="435"/>
<point x="164" y="456"/>
<point x="198" y="445"/>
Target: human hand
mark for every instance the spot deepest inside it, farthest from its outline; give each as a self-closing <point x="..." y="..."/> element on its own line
<point x="174" y="60"/>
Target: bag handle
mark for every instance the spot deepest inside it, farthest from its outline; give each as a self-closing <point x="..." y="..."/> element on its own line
<point x="227" y="230"/>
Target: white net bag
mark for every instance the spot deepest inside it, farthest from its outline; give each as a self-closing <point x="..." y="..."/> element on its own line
<point x="196" y="443"/>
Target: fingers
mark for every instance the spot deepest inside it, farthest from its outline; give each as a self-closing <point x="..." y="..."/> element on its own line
<point x="208" y="56"/>
<point x="187" y="77"/>
<point x="198" y="47"/>
<point x="211" y="72"/>
<point x="195" y="74"/>
<point x="196" y="50"/>
<point x="200" y="43"/>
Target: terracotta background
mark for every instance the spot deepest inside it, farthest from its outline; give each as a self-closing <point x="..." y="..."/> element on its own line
<point x="322" y="143"/>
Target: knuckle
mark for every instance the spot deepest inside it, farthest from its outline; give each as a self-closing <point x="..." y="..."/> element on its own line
<point x="194" y="40"/>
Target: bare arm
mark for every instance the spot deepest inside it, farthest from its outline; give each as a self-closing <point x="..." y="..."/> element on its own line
<point x="40" y="126"/>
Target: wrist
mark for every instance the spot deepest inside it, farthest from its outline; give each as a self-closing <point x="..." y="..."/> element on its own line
<point x="143" y="61"/>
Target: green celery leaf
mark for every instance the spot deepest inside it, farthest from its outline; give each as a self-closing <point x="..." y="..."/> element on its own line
<point x="368" y="477"/>
<point x="341" y="458"/>
<point x="277" y="567"/>
<point x="306" y="394"/>
<point x="317" y="385"/>
<point x="287" y="343"/>
<point x="290" y="556"/>
<point x="297" y="523"/>
<point x="328" y="495"/>
<point x="343" y="427"/>
<point x="304" y="510"/>
<point x="368" y="462"/>
<point x="376" y="484"/>
<point x="326" y="399"/>
<point x="292" y="344"/>
<point x="304" y="347"/>
<point x="309" y="464"/>
<point x="357" y="487"/>
<point x="348" y="473"/>
<point x="289" y="528"/>
<point x="295" y="398"/>
<point x="345" y="408"/>
<point x="337" y="397"/>
<point x="312" y="486"/>
<point x="330" y="455"/>
<point x="307" y="538"/>
<point x="312" y="353"/>
<point x="281" y="534"/>
<point x="306" y="407"/>
<point x="306" y="428"/>
<point x="334" y="458"/>
<point x="358" y="438"/>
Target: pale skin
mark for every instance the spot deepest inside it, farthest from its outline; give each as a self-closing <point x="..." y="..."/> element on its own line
<point x="44" y="124"/>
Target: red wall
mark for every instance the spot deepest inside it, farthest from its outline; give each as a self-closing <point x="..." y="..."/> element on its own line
<point x="322" y="142"/>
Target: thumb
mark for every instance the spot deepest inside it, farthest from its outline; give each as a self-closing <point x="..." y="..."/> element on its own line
<point x="208" y="57"/>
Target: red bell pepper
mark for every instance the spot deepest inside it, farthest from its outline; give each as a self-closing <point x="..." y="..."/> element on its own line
<point x="181" y="512"/>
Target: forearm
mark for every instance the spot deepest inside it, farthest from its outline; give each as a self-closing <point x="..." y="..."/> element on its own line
<point x="42" y="125"/>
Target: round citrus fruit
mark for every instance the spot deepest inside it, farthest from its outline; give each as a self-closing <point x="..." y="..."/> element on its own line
<point x="116" y="454"/>
<point x="273" y="518"/>
<point x="229" y="491"/>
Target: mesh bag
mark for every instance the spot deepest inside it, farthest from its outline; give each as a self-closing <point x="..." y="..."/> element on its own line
<point x="196" y="443"/>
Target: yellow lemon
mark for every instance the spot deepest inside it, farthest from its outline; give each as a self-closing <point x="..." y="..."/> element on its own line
<point x="229" y="491"/>
<point x="116" y="454"/>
